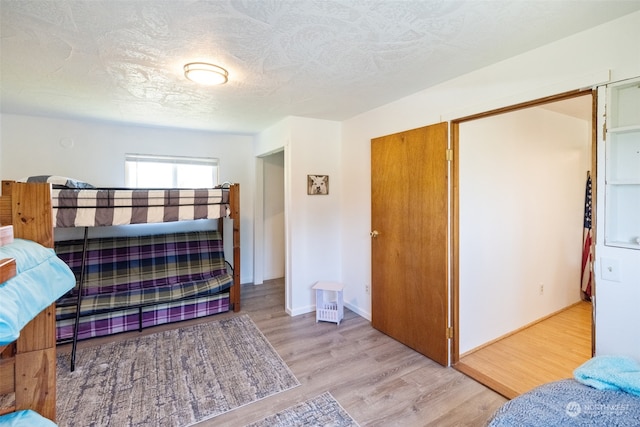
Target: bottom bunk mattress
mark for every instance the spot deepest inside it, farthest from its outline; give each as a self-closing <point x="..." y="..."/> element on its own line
<point x="134" y="282"/>
<point x="568" y="403"/>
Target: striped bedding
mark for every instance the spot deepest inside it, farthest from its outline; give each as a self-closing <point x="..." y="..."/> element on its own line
<point x="170" y="277"/>
<point x="73" y="207"/>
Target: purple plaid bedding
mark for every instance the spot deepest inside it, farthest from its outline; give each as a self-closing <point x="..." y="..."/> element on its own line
<point x="141" y="271"/>
<point x="126" y="264"/>
<point x="115" y="322"/>
<point x="73" y="207"/>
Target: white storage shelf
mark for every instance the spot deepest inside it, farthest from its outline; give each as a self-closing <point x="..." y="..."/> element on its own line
<point x="623" y="155"/>
<point x="622" y="192"/>
<point x="623" y="223"/>
<point x="329" y="310"/>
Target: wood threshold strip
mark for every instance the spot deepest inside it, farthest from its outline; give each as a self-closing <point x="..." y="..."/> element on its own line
<point x="486" y="380"/>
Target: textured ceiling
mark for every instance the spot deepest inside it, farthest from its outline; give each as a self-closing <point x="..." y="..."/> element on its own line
<point x="122" y="61"/>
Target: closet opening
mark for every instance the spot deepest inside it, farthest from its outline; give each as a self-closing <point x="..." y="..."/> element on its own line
<point x="270" y="250"/>
<point x="519" y="182"/>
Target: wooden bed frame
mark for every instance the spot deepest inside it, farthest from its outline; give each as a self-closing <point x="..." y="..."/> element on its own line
<point x="28" y="365"/>
<point x="30" y="224"/>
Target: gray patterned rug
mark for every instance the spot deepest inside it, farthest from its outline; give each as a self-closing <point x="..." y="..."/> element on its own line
<point x="173" y="378"/>
<point x="323" y="410"/>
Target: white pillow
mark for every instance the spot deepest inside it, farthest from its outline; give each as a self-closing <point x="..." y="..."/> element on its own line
<point x="58" y="181"/>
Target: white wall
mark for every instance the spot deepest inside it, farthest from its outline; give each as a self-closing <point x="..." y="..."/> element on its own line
<point x="312" y="222"/>
<point x="583" y="60"/>
<point x="522" y="182"/>
<point x="37" y="146"/>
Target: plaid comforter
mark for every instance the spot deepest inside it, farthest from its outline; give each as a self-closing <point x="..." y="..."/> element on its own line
<point x="126" y="272"/>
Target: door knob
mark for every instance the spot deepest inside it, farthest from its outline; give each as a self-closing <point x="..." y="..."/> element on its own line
<point x="374" y="233"/>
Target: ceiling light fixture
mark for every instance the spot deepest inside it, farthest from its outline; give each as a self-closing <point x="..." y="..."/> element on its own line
<point x="206" y="74"/>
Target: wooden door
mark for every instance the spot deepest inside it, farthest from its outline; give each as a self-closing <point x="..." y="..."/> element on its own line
<point x="409" y="292"/>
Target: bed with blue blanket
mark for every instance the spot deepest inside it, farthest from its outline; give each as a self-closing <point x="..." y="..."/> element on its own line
<point x="605" y="391"/>
<point x="32" y="277"/>
<point x="41" y="278"/>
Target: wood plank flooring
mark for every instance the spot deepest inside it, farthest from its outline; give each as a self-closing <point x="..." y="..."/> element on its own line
<point x="379" y="381"/>
<point x="543" y="352"/>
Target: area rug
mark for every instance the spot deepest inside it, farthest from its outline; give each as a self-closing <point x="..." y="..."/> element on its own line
<point x="173" y="378"/>
<point x="322" y="410"/>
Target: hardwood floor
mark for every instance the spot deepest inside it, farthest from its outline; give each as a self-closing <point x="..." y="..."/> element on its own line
<point x="543" y="352"/>
<point x="379" y="381"/>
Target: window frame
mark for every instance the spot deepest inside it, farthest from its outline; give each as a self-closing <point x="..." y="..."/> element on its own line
<point x="133" y="159"/>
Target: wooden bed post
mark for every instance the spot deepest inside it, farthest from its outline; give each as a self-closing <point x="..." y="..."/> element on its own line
<point x="28" y="208"/>
<point x="234" y="202"/>
<point x="234" y="206"/>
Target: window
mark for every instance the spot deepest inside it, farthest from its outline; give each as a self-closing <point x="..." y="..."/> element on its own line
<point x="149" y="171"/>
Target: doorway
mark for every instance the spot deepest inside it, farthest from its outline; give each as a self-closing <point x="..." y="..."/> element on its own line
<point x="269" y="230"/>
<point x="519" y="186"/>
<point x="273" y="261"/>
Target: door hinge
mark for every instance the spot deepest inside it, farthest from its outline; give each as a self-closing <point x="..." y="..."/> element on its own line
<point x="449" y="155"/>
<point x="604" y="130"/>
<point x="449" y="333"/>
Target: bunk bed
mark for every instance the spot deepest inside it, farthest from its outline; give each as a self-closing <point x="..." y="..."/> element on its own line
<point x="76" y="204"/>
<point x="32" y="277"/>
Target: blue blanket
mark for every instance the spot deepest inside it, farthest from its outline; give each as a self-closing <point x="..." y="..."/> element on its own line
<point x="41" y="278"/>
<point x="26" y="418"/>
<point x="610" y="373"/>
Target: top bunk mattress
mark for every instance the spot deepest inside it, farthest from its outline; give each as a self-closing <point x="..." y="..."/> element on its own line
<point x="119" y="206"/>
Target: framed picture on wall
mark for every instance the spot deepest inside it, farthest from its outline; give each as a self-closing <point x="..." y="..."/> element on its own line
<point x="317" y="185"/>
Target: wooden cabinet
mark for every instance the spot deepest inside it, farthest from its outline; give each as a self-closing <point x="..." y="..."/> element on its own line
<point x="622" y="168"/>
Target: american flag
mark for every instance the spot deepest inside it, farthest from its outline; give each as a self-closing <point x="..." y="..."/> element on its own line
<point x="587" y="235"/>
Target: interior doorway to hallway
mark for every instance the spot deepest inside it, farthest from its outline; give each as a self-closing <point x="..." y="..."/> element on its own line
<point x="273" y="259"/>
